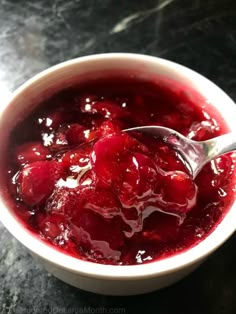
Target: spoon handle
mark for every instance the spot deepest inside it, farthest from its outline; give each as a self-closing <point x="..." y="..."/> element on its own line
<point x="219" y="145"/>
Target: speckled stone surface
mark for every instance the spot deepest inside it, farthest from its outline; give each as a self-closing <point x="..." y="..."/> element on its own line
<point x="36" y="34"/>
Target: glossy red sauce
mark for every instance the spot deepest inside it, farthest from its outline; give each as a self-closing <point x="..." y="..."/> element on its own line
<point x="99" y="194"/>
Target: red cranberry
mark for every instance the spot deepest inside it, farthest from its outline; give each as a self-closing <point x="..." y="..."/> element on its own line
<point x="94" y="232"/>
<point x="159" y="227"/>
<point x="55" y="228"/>
<point x="107" y="108"/>
<point x="101" y="201"/>
<point x="108" y="128"/>
<point x="52" y="121"/>
<point x="168" y="159"/>
<point x="76" y="134"/>
<point x="76" y="157"/>
<point x="139" y="181"/>
<point x="214" y="176"/>
<point x="30" y="152"/>
<point x="63" y="200"/>
<point x="179" y="192"/>
<point x="202" y="131"/>
<point x="109" y="153"/>
<point x="36" y="181"/>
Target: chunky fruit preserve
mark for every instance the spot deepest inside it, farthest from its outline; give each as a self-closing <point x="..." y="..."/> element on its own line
<point x="102" y="195"/>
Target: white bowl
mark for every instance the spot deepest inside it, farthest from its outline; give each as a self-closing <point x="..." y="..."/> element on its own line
<point x="108" y="279"/>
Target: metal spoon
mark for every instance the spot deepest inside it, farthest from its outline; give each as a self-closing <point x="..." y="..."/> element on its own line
<point x="194" y="154"/>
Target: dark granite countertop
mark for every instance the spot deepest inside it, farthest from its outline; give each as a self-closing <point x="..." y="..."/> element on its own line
<point x="36" y="34"/>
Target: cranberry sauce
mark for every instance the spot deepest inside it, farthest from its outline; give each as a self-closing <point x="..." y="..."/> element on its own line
<point x="99" y="194"/>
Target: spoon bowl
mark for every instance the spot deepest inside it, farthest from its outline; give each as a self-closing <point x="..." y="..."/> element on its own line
<point x="194" y="154"/>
